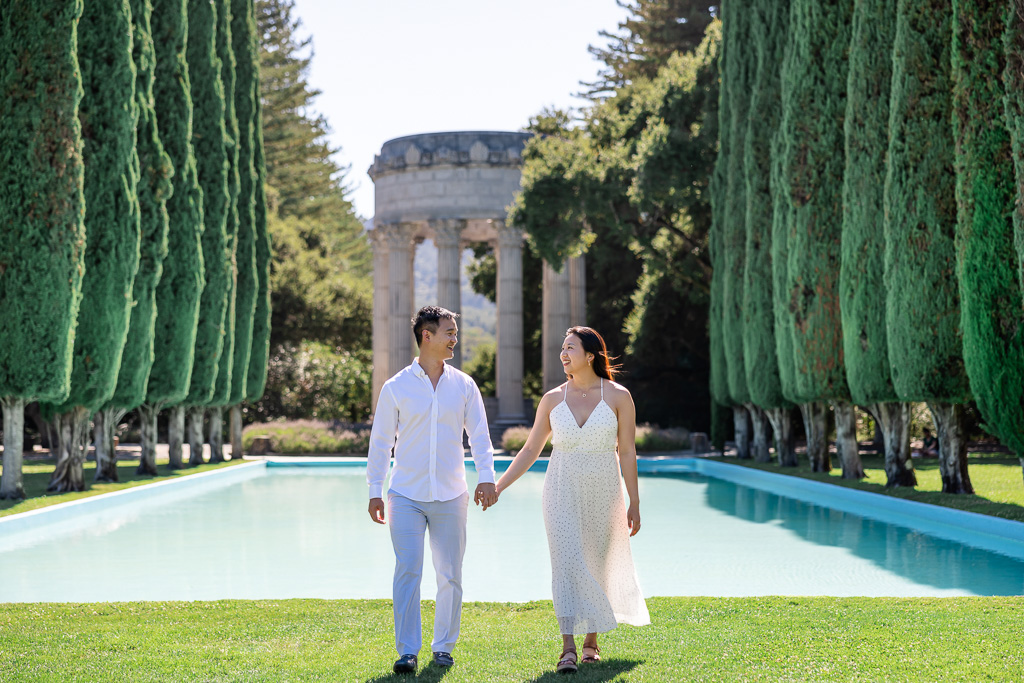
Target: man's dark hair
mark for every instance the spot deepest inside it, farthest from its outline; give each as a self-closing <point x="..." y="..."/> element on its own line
<point x="427" y="318"/>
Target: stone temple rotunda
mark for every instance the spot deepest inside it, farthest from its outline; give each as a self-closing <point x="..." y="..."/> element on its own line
<point x="455" y="189"/>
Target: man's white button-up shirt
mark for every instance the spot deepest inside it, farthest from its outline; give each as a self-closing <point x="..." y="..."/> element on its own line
<point x="424" y="426"/>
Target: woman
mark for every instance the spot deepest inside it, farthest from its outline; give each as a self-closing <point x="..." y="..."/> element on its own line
<point x="588" y="523"/>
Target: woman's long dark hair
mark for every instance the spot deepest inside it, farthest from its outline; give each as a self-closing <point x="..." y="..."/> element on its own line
<point x="594" y="343"/>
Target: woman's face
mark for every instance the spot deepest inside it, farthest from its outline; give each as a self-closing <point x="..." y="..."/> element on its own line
<point x="573" y="357"/>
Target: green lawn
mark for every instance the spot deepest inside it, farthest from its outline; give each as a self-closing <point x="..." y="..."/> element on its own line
<point x="997" y="479"/>
<point x="36" y="476"/>
<point x="691" y="639"/>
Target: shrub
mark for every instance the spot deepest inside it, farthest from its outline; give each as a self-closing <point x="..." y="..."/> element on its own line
<point x="297" y="437"/>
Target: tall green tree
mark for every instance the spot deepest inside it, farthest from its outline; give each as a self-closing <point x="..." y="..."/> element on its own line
<point x="246" y="51"/>
<point x="990" y="297"/>
<point x="108" y="114"/>
<point x="154" y="187"/>
<point x="256" y="377"/>
<point x="814" y="75"/>
<point x="737" y="72"/>
<point x="42" y="234"/>
<point x="181" y="283"/>
<point x="1013" y="104"/>
<point x="923" y="330"/>
<point x="222" y="391"/>
<point x="646" y="39"/>
<point x="208" y="137"/>
<point x="862" y="267"/>
<point x="769" y="22"/>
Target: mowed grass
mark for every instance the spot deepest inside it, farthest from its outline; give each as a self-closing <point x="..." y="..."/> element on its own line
<point x="36" y="476"/>
<point x="997" y="479"/>
<point x="691" y="639"/>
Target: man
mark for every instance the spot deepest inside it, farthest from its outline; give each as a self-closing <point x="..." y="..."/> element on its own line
<point x="422" y="412"/>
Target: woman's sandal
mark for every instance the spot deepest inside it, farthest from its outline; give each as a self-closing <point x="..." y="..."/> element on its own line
<point x="590" y="659"/>
<point x="567" y="664"/>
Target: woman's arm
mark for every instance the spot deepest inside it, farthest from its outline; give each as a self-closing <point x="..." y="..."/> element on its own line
<point x="626" y="412"/>
<point x="534" y="443"/>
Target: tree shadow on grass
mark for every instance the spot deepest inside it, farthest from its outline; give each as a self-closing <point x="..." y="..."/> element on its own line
<point x="605" y="670"/>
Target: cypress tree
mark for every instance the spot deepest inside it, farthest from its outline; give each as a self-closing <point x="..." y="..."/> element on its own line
<point x="1013" y="82"/>
<point x="260" y="353"/>
<point x="108" y="114"/>
<point x="154" y="188"/>
<point x="921" y="290"/>
<point x="182" y="281"/>
<point x="814" y="75"/>
<point x="222" y="391"/>
<point x="769" y="21"/>
<point x="246" y="51"/>
<point x="862" y="268"/>
<point x="42" y="234"/>
<point x="991" y="302"/>
<point x="211" y="162"/>
<point x="736" y="77"/>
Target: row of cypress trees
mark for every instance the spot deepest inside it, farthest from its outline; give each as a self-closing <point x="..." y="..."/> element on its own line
<point x="868" y="225"/>
<point x="131" y="277"/>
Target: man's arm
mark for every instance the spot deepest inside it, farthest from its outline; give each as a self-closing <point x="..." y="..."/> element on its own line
<point x="382" y="440"/>
<point x="480" y="447"/>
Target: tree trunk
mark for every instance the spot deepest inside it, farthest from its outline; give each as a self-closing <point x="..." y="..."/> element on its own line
<point x="216" y="434"/>
<point x="195" y="435"/>
<point x="147" y="430"/>
<point x="175" y="436"/>
<point x="104" y="425"/>
<point x="11" y="485"/>
<point x="741" y="423"/>
<point x="782" y="425"/>
<point x="236" y="432"/>
<point x="72" y="445"/>
<point x="894" y="419"/>
<point x="816" y="427"/>
<point x="760" y="448"/>
<point x="949" y="423"/>
<point x="846" y="440"/>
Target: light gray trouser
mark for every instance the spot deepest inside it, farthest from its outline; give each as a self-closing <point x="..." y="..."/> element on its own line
<point x="409" y="520"/>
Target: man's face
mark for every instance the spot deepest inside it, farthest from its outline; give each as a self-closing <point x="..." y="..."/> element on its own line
<point x="442" y="342"/>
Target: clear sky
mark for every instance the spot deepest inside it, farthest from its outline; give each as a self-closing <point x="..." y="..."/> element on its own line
<point x="389" y="68"/>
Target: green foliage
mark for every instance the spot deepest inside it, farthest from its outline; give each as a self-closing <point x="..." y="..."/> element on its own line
<point x="861" y="287"/>
<point x="246" y="52"/>
<point x="647" y="39"/>
<point x="814" y="76"/>
<point x="154" y="187"/>
<point x="769" y="21"/>
<point x="738" y="69"/>
<point x="182" y="280"/>
<point x="208" y="135"/>
<point x="481" y="367"/>
<point x="327" y="270"/>
<point x="921" y="290"/>
<point x="257" y="377"/>
<point x="306" y="437"/>
<point x="225" y="51"/>
<point x="1013" y="105"/>
<point x="42" y="234"/>
<point x="719" y="191"/>
<point x="992" y="314"/>
<point x="315" y="380"/>
<point x="109" y="115"/>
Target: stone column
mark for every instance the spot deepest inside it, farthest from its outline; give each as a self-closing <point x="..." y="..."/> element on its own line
<point x="381" y="312"/>
<point x="400" y="246"/>
<point x="447" y="236"/>
<point x="577" y="290"/>
<point x="557" y="316"/>
<point x="509" y="372"/>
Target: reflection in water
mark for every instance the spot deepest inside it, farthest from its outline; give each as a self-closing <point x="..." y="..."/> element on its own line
<point x="921" y="558"/>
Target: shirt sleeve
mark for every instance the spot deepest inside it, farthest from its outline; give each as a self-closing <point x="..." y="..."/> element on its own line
<point x="382" y="440"/>
<point x="479" y="435"/>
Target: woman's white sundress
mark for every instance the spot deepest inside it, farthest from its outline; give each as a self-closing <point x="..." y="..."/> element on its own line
<point x="593" y="580"/>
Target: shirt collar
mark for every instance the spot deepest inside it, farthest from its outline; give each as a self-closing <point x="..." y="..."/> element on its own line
<point x="420" y="372"/>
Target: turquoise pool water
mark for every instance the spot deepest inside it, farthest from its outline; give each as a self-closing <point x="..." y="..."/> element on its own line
<point x="287" y="532"/>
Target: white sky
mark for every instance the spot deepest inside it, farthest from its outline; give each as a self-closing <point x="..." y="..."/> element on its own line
<point x="389" y="68"/>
